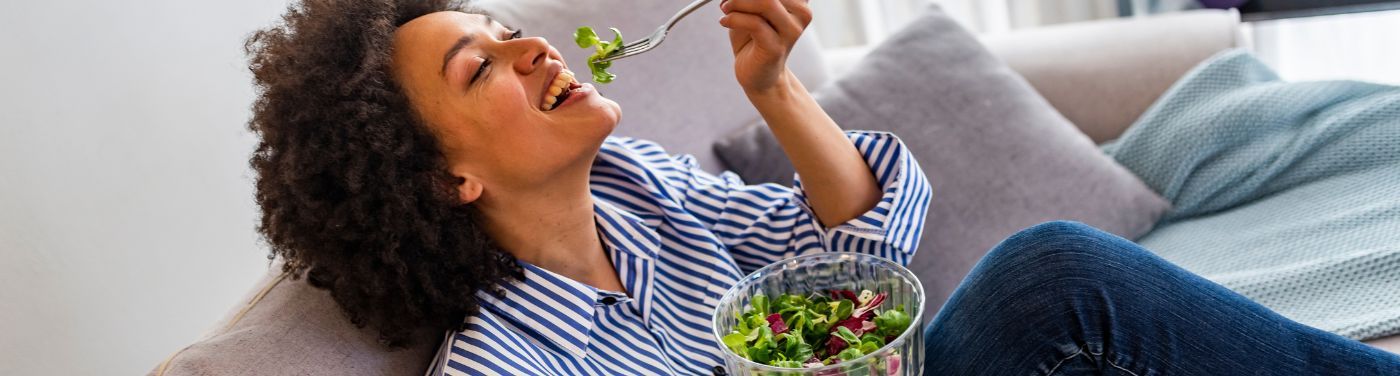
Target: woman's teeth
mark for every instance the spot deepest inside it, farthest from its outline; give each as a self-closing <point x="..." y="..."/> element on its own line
<point x="561" y="84"/>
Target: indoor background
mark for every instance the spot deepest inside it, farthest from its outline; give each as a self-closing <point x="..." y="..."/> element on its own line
<point x="126" y="211"/>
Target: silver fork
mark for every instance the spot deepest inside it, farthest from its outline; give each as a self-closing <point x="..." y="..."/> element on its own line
<point x="637" y="47"/>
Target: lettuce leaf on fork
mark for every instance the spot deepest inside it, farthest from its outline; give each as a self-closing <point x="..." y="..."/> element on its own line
<point x="585" y="37"/>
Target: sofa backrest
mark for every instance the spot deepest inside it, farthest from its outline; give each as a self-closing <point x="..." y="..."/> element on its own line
<point x="1102" y="75"/>
<point x="287" y="327"/>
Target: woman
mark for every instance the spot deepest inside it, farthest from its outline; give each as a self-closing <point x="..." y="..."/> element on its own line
<point x="438" y="171"/>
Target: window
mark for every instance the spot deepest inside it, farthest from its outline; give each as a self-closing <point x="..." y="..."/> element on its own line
<point x="1343" y="46"/>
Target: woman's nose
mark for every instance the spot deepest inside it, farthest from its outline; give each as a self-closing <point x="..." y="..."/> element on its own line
<point x="534" y="53"/>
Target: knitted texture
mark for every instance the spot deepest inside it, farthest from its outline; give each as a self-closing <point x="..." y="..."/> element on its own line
<point x="1288" y="193"/>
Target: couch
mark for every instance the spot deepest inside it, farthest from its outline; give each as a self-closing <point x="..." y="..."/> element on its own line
<point x="1098" y="75"/>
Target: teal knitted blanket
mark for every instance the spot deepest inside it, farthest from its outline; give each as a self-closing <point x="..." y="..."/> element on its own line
<point x="1288" y="193"/>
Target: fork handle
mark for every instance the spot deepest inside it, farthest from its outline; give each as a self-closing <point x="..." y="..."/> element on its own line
<point x="684" y="12"/>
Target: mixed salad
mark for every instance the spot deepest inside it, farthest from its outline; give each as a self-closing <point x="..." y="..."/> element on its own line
<point x="586" y="37"/>
<point x="797" y="331"/>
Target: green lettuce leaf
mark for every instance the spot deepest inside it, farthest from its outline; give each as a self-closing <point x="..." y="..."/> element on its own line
<point x="585" y="37"/>
<point x="892" y="322"/>
<point x="849" y="353"/>
<point x="736" y="342"/>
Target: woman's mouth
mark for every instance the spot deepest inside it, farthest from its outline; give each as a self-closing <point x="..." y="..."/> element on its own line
<point x="559" y="90"/>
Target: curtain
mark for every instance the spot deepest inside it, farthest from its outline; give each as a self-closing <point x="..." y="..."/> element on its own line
<point x="858" y="23"/>
<point x="1358" y="46"/>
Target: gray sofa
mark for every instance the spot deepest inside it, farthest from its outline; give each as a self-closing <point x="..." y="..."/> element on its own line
<point x="1098" y="75"/>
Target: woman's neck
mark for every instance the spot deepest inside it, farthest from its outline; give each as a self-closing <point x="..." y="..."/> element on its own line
<point x="553" y="229"/>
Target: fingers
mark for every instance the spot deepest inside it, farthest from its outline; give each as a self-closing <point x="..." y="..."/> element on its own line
<point x="737" y="38"/>
<point x="787" y="17"/>
<point x="799" y="11"/>
<point x="745" y="25"/>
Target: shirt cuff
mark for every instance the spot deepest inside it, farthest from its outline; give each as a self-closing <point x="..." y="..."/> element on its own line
<point x="897" y="220"/>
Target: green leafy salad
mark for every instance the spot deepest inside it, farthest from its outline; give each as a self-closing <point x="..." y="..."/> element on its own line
<point x="585" y="37"/>
<point x="796" y="331"/>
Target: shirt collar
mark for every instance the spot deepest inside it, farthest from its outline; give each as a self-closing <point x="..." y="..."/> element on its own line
<point x="623" y="231"/>
<point x="556" y="311"/>
<point x="549" y="308"/>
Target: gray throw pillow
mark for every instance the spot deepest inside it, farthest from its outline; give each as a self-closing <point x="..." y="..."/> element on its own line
<point x="999" y="157"/>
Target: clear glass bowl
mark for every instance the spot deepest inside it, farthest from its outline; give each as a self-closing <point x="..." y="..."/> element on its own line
<point x="826" y="271"/>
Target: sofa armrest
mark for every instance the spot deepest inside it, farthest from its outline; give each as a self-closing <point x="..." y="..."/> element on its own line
<point x="288" y="327"/>
<point x="1102" y="75"/>
<point x="1391" y="344"/>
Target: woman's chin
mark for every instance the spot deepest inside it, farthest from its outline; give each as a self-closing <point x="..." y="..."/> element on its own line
<point x="604" y="114"/>
<point x="614" y="112"/>
<point x="607" y="108"/>
<point x="601" y="119"/>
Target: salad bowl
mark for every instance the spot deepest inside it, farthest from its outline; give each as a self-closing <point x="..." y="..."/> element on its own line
<point x="815" y="275"/>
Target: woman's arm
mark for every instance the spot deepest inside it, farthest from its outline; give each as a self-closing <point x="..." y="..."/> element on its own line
<point x="837" y="179"/>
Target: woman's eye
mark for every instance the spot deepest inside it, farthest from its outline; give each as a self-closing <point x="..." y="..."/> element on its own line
<point x="479" y="70"/>
<point x="486" y="62"/>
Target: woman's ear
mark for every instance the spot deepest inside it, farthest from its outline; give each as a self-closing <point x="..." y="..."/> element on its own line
<point x="469" y="186"/>
<point x="469" y="190"/>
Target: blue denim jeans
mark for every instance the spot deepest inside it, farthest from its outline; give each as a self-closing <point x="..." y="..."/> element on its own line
<point x="1063" y="298"/>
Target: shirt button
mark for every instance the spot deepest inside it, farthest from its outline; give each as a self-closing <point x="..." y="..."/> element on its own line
<point x="609" y="300"/>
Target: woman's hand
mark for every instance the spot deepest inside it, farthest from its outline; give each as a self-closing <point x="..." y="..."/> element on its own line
<point x="762" y="32"/>
<point x="837" y="180"/>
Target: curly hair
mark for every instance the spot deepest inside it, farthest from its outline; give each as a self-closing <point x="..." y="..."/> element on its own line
<point x="354" y="189"/>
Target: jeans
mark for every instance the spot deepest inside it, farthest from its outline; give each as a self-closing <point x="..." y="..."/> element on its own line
<point x="1063" y="298"/>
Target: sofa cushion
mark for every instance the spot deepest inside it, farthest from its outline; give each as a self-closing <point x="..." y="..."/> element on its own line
<point x="683" y="94"/>
<point x="998" y="156"/>
<point x="291" y="328"/>
<point x="1391" y="344"/>
<point x="1101" y="78"/>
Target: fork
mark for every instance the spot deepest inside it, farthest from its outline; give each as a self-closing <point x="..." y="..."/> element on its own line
<point x="637" y="47"/>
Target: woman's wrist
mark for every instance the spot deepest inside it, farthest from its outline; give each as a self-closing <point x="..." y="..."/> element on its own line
<point x="784" y="90"/>
<point x="838" y="181"/>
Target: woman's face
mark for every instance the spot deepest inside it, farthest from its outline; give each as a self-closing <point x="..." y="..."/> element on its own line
<point x="483" y="92"/>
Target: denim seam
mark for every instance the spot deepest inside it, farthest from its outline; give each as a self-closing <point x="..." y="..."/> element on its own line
<point x="1111" y="363"/>
<point x="1062" y="361"/>
<point x="1081" y="351"/>
<point x="1115" y="365"/>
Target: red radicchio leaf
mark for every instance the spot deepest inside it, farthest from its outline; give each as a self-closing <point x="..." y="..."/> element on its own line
<point x="875" y="302"/>
<point x="867" y="310"/>
<point x="834" y="345"/>
<point x="866" y="326"/>
<point x="848" y="294"/>
<point x="853" y="323"/>
<point x="775" y="322"/>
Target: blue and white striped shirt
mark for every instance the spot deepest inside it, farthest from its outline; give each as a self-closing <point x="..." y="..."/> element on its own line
<point x="679" y="238"/>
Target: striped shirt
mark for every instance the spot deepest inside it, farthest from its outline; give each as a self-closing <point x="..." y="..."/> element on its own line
<point x="679" y="237"/>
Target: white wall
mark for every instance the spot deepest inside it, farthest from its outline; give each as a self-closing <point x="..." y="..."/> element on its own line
<point x="126" y="212"/>
<point x="1359" y="46"/>
<point x="858" y="24"/>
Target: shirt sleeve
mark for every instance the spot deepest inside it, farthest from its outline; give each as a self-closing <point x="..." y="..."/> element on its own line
<point x="764" y="223"/>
